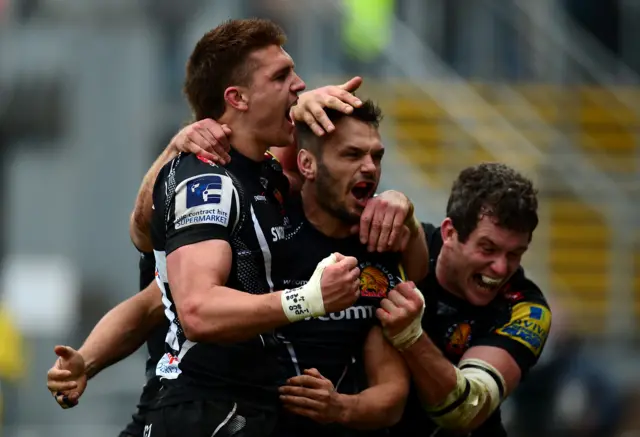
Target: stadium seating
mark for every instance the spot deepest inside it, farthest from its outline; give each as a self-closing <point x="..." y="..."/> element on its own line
<point x="600" y="126"/>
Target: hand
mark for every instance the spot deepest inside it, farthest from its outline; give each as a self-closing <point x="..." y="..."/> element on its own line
<point x="383" y="221"/>
<point x="401" y="315"/>
<point x="340" y="284"/>
<point x="67" y="379"/>
<point x="205" y="138"/>
<point x="313" y="396"/>
<point x="310" y="107"/>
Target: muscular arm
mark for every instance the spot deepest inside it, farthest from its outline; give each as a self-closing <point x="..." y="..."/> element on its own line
<point x="381" y="405"/>
<point x="415" y="256"/>
<point x="123" y="330"/>
<point x="207" y="309"/>
<point x="139" y="222"/>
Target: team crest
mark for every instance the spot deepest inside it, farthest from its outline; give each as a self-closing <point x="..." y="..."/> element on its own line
<point x="459" y="338"/>
<point x="375" y="280"/>
<point x="511" y="295"/>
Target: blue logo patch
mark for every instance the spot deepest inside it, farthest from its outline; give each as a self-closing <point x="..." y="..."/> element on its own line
<point x="204" y="190"/>
<point x="535" y="313"/>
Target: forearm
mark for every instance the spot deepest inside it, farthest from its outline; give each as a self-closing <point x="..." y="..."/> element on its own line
<point x="415" y="257"/>
<point x="433" y="374"/>
<point x="119" y="333"/>
<point x="139" y="224"/>
<point x="377" y="407"/>
<point x="229" y="315"/>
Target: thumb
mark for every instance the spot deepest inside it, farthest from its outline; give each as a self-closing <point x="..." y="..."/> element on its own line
<point x="226" y="129"/>
<point x="64" y="352"/>
<point x="352" y="84"/>
<point x="339" y="256"/>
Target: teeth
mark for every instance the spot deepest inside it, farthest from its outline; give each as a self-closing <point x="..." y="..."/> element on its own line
<point x="490" y="281"/>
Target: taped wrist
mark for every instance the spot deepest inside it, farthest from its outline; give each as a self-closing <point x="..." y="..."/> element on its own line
<point x="306" y="301"/>
<point x="478" y="384"/>
<point x="409" y="335"/>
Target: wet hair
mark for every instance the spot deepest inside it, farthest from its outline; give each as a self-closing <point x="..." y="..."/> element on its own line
<point x="494" y="190"/>
<point x="221" y="59"/>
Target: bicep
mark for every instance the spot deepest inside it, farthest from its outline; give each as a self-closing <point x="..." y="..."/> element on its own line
<point x="383" y="363"/>
<point x="196" y="268"/>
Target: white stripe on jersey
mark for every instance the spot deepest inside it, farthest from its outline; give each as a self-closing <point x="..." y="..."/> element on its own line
<point x="264" y="246"/>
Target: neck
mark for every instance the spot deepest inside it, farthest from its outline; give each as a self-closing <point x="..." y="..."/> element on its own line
<point x="441" y="276"/>
<point x="320" y="218"/>
<point x="244" y="141"/>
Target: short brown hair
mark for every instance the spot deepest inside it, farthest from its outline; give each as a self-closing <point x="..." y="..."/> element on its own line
<point x="495" y="190"/>
<point x="219" y="61"/>
<point x="369" y="113"/>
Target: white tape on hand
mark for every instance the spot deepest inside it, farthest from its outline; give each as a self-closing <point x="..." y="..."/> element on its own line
<point x="306" y="301"/>
<point x="412" y="332"/>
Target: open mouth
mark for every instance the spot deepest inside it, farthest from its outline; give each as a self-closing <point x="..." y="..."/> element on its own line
<point x="363" y="191"/>
<point x="287" y="112"/>
<point x="487" y="283"/>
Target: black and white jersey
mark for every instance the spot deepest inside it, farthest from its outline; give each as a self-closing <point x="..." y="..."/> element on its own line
<point x="155" y="342"/>
<point x="242" y="203"/>
<point x="333" y="343"/>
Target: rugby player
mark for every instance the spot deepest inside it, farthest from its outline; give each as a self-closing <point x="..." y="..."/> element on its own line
<point x="211" y="229"/>
<point x="479" y="324"/>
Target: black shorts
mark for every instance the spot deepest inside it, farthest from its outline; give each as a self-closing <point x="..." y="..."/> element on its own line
<point x="208" y="419"/>
<point x="135" y="428"/>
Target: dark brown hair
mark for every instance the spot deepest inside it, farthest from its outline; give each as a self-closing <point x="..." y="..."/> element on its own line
<point x="219" y="61"/>
<point x="495" y="190"/>
<point x="369" y="113"/>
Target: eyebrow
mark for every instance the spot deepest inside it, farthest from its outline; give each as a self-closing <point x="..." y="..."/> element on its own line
<point x="491" y="242"/>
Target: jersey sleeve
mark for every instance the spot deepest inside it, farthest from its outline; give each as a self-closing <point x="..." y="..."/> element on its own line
<point x="525" y="332"/>
<point x="201" y="203"/>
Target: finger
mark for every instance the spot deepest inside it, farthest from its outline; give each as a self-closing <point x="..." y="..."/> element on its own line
<point x="311" y="122"/>
<point x="388" y="306"/>
<point x="398" y="298"/>
<point x="376" y="226"/>
<point x="301" y="402"/>
<point x="388" y="220"/>
<point x="65" y="352"/>
<point x="301" y="392"/>
<point x="352" y="85"/>
<point x="356" y="288"/>
<point x="305" y="381"/>
<point x="62" y="386"/>
<point x="221" y="142"/>
<point x="64" y="401"/>
<point x="365" y="221"/>
<point x="202" y="142"/>
<point x="383" y="316"/>
<point x="347" y="101"/>
<point x="355" y="229"/>
<point x="314" y="372"/>
<point x="321" y="117"/>
<point x="396" y="228"/>
<point x="348" y="263"/>
<point x="337" y="104"/>
<point x="339" y="256"/>
<point x="354" y="274"/>
<point x="58" y="374"/>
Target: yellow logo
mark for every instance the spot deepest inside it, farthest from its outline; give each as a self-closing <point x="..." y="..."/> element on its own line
<point x="529" y="325"/>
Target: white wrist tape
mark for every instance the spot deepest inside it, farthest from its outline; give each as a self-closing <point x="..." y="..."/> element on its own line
<point x="306" y="301"/>
<point x="411" y="333"/>
<point x="478" y="385"/>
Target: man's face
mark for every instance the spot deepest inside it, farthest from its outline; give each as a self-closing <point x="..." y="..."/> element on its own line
<point x="274" y="89"/>
<point x="349" y="168"/>
<point x="479" y="267"/>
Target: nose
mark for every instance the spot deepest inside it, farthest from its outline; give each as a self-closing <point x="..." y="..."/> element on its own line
<point x="368" y="165"/>
<point x="499" y="266"/>
<point x="298" y="85"/>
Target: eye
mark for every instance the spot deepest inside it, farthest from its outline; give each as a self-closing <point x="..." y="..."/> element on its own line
<point x="487" y="250"/>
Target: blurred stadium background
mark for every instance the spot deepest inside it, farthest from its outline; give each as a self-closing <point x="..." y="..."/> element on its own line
<point x="90" y="92"/>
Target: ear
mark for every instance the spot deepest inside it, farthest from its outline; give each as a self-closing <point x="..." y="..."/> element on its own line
<point x="447" y="231"/>
<point x="237" y="98"/>
<point x="307" y="164"/>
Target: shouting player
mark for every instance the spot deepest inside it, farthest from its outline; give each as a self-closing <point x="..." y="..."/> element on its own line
<point x="482" y="324"/>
